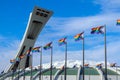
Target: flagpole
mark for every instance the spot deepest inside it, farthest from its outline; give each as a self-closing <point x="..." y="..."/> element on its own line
<point x="24" y="74"/>
<point x="18" y="70"/>
<point x="65" y="78"/>
<point x="40" y="64"/>
<point x="105" y="53"/>
<point x="83" y="60"/>
<point x="51" y="63"/>
<point x="48" y="46"/>
<point x="12" y="74"/>
<point x="31" y="66"/>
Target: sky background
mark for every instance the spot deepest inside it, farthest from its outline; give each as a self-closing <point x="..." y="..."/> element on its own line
<point x="70" y="18"/>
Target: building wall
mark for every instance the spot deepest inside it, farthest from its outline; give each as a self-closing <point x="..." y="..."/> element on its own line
<point x="113" y="77"/>
<point x="72" y="77"/>
<point x="69" y="77"/>
<point x="92" y="77"/>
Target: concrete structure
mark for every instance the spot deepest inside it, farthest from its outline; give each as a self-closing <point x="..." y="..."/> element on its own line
<point x="73" y="73"/>
<point x="37" y="21"/>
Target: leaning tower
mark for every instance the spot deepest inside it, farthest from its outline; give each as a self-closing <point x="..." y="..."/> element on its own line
<point x="37" y="21"/>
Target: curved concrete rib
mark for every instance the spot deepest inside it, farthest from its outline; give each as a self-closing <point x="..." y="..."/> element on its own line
<point x="21" y="74"/>
<point x="101" y="73"/>
<point x="78" y="74"/>
<point x="37" y="74"/>
<point x="114" y="69"/>
<point x="1" y="75"/>
<point x="103" y="76"/>
<point x="6" y="75"/>
<point x="57" y="74"/>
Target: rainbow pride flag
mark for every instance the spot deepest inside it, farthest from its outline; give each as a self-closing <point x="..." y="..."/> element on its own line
<point x="36" y="49"/>
<point x="12" y="61"/>
<point x="47" y="46"/>
<point x="97" y="30"/>
<point x="22" y="56"/>
<point x="17" y="59"/>
<point x="118" y="22"/>
<point x="78" y="36"/>
<point x="28" y="53"/>
<point x="62" y="41"/>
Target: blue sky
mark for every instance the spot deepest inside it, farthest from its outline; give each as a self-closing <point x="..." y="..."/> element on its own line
<point x="69" y="18"/>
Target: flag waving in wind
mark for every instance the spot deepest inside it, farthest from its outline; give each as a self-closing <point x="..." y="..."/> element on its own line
<point x="62" y="41"/>
<point x="36" y="49"/>
<point x="118" y="22"/>
<point x="22" y="56"/>
<point x="28" y="53"/>
<point x="78" y="36"/>
<point x="17" y="59"/>
<point x="113" y="65"/>
<point x="97" y="30"/>
<point x="12" y="61"/>
<point x="47" y="46"/>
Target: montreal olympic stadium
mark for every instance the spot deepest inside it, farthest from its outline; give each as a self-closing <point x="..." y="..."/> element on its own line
<point x="74" y="71"/>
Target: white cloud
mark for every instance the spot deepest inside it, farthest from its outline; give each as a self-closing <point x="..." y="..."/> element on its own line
<point x="7" y="52"/>
<point x="60" y="27"/>
<point x="77" y="24"/>
<point x="108" y="6"/>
